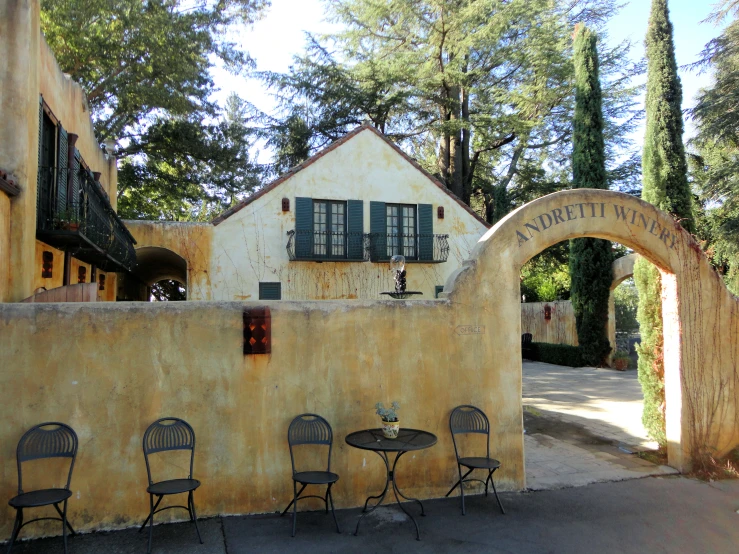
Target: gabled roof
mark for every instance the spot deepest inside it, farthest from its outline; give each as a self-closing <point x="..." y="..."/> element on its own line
<point x="333" y="146"/>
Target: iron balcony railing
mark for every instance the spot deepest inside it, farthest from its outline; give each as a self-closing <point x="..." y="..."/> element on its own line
<point x="421" y="248"/>
<point x="83" y="222"/>
<point x="327" y="246"/>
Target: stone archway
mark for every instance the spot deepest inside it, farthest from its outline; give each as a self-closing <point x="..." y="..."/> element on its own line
<point x="701" y="382"/>
<point x="623" y="268"/>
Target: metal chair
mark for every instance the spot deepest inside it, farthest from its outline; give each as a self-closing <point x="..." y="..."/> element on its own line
<point x="464" y="420"/>
<point x="311" y="429"/>
<point x="46" y="440"/>
<point x="170" y="433"/>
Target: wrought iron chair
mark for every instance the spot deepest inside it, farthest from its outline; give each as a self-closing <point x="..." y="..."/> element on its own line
<point x="314" y="430"/>
<point x="46" y="440"/>
<point x="170" y="433"/>
<point x="464" y="420"/>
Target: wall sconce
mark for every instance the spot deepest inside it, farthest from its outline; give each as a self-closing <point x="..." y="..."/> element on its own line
<point x="101" y="282"/>
<point x="285" y="204"/>
<point x="440" y="212"/>
<point x="547" y="312"/>
<point x="47" y="264"/>
<point x="257" y="330"/>
<point x="81" y="274"/>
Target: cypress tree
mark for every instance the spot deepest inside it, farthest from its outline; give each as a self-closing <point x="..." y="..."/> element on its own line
<point x="665" y="184"/>
<point x="590" y="259"/>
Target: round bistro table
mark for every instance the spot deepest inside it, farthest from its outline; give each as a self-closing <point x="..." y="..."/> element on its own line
<point x="374" y="440"/>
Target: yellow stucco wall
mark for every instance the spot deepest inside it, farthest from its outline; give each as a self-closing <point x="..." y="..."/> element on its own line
<point x="250" y="245"/>
<point x="191" y="241"/>
<point x="111" y="369"/>
<point x="29" y="70"/>
<point x="57" y="271"/>
<point x="4" y="246"/>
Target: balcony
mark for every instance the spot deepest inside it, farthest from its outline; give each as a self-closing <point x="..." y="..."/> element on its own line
<point x="312" y="246"/>
<point x="423" y="249"/>
<point x="85" y="224"/>
<point x="362" y="247"/>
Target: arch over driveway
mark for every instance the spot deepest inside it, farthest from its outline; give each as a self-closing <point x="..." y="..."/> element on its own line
<point x="701" y="317"/>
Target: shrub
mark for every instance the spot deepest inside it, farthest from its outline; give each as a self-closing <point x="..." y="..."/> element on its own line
<point x="560" y="354"/>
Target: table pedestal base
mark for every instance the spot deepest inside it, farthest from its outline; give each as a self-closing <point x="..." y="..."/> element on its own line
<point x="396" y="491"/>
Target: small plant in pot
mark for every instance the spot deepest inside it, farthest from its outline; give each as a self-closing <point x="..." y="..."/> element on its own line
<point x="390" y="421"/>
<point x="621" y="360"/>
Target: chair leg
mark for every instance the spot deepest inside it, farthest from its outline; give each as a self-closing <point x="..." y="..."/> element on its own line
<point x="295" y="506"/>
<point x="69" y="526"/>
<point x="488" y="478"/>
<point x="151" y="513"/>
<point x="325" y="498"/>
<point x="151" y="519"/>
<point x="492" y="482"/>
<point x="64" y="526"/>
<point x="193" y="514"/>
<point x="331" y="499"/>
<point x="293" y="500"/>
<point x="16" y="528"/>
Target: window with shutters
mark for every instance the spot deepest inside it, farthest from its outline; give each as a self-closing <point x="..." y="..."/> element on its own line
<point x="329" y="229"/>
<point x="401" y="230"/>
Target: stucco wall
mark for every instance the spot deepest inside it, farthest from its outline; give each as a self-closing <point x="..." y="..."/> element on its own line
<point x="110" y="370"/>
<point x="4" y="246"/>
<point x="29" y="69"/>
<point x="560" y="329"/>
<point x="250" y="246"/>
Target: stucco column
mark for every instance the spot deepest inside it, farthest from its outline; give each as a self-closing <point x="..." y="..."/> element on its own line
<point x="19" y="79"/>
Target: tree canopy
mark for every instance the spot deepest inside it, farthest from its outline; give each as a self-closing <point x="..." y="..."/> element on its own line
<point x="145" y="67"/>
<point x="480" y="92"/>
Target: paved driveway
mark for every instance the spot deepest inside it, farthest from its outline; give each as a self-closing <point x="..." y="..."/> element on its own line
<point x="583" y="425"/>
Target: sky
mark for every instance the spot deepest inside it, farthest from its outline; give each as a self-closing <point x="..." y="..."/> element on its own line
<point x="280" y="35"/>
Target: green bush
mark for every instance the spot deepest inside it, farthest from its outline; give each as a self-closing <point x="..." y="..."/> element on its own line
<point x="560" y="354"/>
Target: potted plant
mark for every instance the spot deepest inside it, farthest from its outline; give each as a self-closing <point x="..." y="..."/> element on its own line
<point x="621" y="360"/>
<point x="390" y="421"/>
<point x="67" y="219"/>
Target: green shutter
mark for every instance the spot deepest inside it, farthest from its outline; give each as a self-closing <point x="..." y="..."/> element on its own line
<point x="425" y="232"/>
<point x="39" y="214"/>
<point x="378" y="231"/>
<point x="303" y="227"/>
<point x="61" y="174"/>
<point x="355" y="229"/>
<point x="270" y="291"/>
<point x="73" y="201"/>
<point x="438" y="289"/>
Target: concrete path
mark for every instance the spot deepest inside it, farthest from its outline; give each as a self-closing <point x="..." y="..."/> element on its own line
<point x="655" y="515"/>
<point x="583" y="425"/>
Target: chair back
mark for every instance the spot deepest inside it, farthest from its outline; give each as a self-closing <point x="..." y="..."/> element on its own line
<point x="46" y="440"/>
<point x="168" y="433"/>
<point x="309" y="429"/>
<point x="468" y="419"/>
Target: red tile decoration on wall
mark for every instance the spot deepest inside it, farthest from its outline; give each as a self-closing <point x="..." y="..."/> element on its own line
<point x="257" y="330"/>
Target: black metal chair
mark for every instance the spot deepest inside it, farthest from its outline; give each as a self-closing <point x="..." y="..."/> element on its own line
<point x="46" y="440"/>
<point x="464" y="420"/>
<point x="170" y="433"/>
<point x="314" y="430"/>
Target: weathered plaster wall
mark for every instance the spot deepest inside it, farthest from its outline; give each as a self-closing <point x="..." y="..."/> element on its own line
<point x="57" y="270"/>
<point x="560" y="329"/>
<point x="191" y="241"/>
<point x="250" y="246"/>
<point x="29" y="69"/>
<point x="110" y="370"/>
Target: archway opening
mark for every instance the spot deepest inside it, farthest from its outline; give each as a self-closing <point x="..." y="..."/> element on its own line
<point x="581" y="424"/>
<point x="160" y="275"/>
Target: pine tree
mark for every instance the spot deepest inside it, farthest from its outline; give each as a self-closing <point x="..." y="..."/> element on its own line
<point x="665" y="184"/>
<point x="590" y="259"/>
